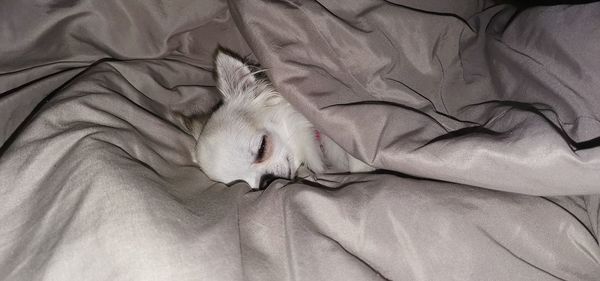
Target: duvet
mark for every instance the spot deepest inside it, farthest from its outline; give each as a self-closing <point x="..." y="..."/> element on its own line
<point x="483" y="120"/>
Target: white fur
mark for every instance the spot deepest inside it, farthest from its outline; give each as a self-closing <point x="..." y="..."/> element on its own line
<point x="228" y="142"/>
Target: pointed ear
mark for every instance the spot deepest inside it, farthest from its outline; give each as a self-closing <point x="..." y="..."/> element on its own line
<point x="234" y="77"/>
<point x="193" y="124"/>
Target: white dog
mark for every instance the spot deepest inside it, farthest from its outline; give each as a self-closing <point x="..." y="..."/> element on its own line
<point x="256" y="133"/>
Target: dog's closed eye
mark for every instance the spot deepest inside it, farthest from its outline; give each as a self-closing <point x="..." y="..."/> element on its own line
<point x="263" y="150"/>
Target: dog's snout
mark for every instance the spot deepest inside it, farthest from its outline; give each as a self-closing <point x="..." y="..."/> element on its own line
<point x="265" y="180"/>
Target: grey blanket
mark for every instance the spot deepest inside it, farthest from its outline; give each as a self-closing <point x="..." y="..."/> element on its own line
<point x="483" y="120"/>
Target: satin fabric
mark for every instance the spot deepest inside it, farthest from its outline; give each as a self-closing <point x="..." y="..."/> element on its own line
<point x="482" y="120"/>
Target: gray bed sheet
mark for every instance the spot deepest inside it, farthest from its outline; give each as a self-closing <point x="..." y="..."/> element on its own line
<point x="484" y="121"/>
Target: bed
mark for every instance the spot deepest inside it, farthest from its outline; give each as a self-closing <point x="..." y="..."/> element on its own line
<point x="482" y="119"/>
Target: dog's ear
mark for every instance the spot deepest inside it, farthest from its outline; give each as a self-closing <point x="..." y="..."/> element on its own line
<point x="192" y="124"/>
<point x="234" y="77"/>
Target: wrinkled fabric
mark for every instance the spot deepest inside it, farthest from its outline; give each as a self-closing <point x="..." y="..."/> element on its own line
<point x="482" y="119"/>
<point x="475" y="101"/>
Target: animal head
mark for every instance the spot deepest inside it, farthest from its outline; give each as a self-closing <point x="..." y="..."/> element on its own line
<point x="255" y="133"/>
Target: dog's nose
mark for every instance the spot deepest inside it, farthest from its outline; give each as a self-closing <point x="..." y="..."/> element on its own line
<point x="265" y="180"/>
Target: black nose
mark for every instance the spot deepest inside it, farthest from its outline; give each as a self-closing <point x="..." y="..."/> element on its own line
<point x="265" y="180"/>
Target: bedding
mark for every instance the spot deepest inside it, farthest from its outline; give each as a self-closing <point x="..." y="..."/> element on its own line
<point x="482" y="119"/>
